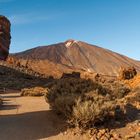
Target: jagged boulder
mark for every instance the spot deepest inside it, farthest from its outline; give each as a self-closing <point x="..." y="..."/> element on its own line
<point x="127" y="73"/>
<point x="5" y="37"/>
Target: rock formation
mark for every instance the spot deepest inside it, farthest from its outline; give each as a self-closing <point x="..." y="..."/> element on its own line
<point x="5" y="37"/>
<point x="127" y="73"/>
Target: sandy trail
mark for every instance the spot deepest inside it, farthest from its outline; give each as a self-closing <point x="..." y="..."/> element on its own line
<point x="29" y="118"/>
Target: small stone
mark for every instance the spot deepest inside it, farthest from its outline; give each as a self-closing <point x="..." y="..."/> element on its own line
<point x="89" y="133"/>
<point x="137" y="134"/>
<point x="105" y="138"/>
<point x="112" y="139"/>
<point x="94" y="138"/>
<point x="74" y="133"/>
<point x="65" y="133"/>
<point x="137" y="122"/>
<point x="115" y="136"/>
<point x="129" y="136"/>
<point x="102" y="131"/>
<point x="99" y="135"/>
<point x="117" y="122"/>
<point x="112" y="130"/>
<point x="94" y="131"/>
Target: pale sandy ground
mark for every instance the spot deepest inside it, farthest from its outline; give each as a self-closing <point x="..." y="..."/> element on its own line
<point x="29" y="118"/>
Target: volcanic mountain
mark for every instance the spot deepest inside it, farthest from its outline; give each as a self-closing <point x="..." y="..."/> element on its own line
<point x="74" y="56"/>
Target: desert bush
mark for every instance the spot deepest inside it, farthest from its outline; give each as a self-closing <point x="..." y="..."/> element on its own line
<point x="73" y="87"/>
<point x="134" y="96"/>
<point x="88" y="111"/>
<point x="64" y="105"/>
<point x="117" y="89"/>
<point x="35" y="91"/>
<point x="82" y="102"/>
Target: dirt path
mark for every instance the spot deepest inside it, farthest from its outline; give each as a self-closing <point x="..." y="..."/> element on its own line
<point x="29" y="118"/>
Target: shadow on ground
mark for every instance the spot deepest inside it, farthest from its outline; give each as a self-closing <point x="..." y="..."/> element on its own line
<point x="9" y="107"/>
<point x="30" y="126"/>
<point x="122" y="119"/>
<point x="11" y="78"/>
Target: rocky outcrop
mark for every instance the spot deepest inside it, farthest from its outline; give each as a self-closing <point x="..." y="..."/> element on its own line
<point x="127" y="73"/>
<point x="14" y="63"/>
<point x="5" y="37"/>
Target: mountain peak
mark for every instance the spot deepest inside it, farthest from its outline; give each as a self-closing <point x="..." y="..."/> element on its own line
<point x="70" y="42"/>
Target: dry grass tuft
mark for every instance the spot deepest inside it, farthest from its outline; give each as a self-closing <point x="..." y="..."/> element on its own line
<point x="73" y="87"/>
<point x="117" y="89"/>
<point x="89" y="111"/>
<point x="35" y="91"/>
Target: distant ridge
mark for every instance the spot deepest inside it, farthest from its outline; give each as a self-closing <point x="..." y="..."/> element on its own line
<point x="75" y="55"/>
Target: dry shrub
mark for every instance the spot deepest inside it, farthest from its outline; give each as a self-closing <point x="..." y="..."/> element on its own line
<point x="89" y="111"/>
<point x="73" y="87"/>
<point x="133" y="83"/>
<point x="64" y="105"/>
<point x="35" y="91"/>
<point x="117" y="89"/>
<point x="134" y="96"/>
<point x="84" y="103"/>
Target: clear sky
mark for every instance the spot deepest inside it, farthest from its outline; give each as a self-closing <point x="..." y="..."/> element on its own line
<point x="112" y="24"/>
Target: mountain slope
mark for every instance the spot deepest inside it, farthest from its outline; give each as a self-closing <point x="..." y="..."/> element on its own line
<point x="75" y="55"/>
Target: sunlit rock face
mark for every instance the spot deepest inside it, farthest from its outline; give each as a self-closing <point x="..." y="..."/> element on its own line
<point x="5" y="37"/>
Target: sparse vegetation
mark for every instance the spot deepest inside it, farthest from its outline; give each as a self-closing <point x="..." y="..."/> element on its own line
<point x="85" y="103"/>
<point x="12" y="78"/>
<point x="117" y="89"/>
<point x="89" y="111"/>
<point x="73" y="87"/>
<point x="134" y="97"/>
<point x="36" y="91"/>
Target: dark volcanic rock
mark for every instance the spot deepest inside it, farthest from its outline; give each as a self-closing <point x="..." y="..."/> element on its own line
<point x="5" y="37"/>
<point x="71" y="75"/>
<point x="127" y="73"/>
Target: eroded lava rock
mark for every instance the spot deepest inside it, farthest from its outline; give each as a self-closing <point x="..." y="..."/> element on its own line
<point x="5" y="37"/>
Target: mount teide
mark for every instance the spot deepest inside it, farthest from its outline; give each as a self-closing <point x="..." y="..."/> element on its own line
<point x="74" y="56"/>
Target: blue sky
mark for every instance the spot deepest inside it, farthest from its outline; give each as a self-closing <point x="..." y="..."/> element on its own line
<point x="112" y="24"/>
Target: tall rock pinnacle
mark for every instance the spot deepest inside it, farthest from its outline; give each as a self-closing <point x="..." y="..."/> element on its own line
<point x="5" y="37"/>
